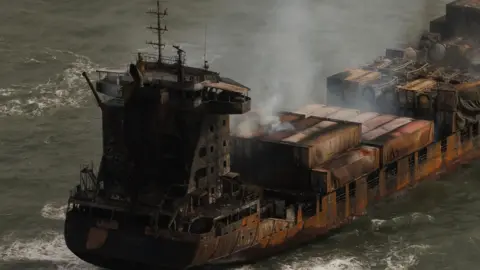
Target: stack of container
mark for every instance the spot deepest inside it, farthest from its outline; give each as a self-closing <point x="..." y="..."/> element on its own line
<point x="323" y="151"/>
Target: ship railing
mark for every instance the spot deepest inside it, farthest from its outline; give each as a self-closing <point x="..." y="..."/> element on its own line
<point x="392" y="175"/>
<point x="89" y="185"/>
<point x="153" y="58"/>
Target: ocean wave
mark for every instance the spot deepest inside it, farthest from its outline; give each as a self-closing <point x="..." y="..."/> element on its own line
<point x="65" y="89"/>
<point x="52" y="211"/>
<point x="398" y="222"/>
<point x="49" y="246"/>
<point x="344" y="263"/>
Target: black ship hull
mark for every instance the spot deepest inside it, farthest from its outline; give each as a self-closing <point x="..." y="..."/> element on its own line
<point x="124" y="248"/>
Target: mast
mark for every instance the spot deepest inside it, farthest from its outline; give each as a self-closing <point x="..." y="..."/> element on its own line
<point x="205" y="61"/>
<point x="158" y="29"/>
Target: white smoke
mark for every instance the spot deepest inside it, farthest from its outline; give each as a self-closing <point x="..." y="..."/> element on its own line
<point x="304" y="41"/>
<point x="285" y="75"/>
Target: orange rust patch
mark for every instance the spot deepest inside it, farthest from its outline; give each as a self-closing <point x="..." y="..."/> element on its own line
<point x="96" y="238"/>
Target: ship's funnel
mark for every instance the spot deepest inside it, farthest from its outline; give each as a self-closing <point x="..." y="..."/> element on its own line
<point x="437" y="52"/>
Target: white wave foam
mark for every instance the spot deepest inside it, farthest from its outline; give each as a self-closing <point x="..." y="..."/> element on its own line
<point x="51" y="211"/>
<point x="415" y="218"/>
<point x="404" y="258"/>
<point x="49" y="246"/>
<point x="65" y="89"/>
<point x="343" y="263"/>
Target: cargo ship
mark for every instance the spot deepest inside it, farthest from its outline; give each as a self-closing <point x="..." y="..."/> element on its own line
<point x="176" y="189"/>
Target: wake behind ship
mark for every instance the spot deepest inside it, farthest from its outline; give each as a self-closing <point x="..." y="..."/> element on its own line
<point x="176" y="190"/>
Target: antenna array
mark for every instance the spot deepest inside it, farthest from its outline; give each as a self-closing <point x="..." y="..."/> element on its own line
<point x="158" y="29"/>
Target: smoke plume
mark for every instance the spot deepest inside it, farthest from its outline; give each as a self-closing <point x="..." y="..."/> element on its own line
<point x="304" y="41"/>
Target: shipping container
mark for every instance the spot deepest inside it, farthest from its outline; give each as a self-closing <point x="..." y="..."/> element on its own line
<point x="322" y="141"/>
<point x="345" y="168"/>
<point x="318" y="110"/>
<point x="376" y="122"/>
<point x="445" y="124"/>
<point x="294" y="126"/>
<point x="407" y="94"/>
<point x="289" y="116"/>
<point x="343" y="114"/>
<point x="307" y="110"/>
<point x="462" y="17"/>
<point x="385" y="128"/>
<point x="438" y="26"/>
<point x="447" y="98"/>
<point x="276" y="161"/>
<point x="403" y="140"/>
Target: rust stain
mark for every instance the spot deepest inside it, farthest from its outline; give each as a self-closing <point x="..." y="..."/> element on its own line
<point x="96" y="238"/>
<point x="361" y="196"/>
<point x="251" y="221"/>
<point x="226" y="244"/>
<point x="353" y="164"/>
<point x="205" y="251"/>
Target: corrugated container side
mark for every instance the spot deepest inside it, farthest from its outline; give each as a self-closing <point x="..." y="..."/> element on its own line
<point x="348" y="166"/>
<point x="405" y="140"/>
<point x="269" y="164"/>
<point x="344" y="114"/>
<point x="327" y="145"/>
<point x="320" y="181"/>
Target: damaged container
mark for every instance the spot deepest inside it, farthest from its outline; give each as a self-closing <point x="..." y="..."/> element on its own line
<point x="277" y="159"/>
<point x="396" y="143"/>
<point x="344" y="168"/>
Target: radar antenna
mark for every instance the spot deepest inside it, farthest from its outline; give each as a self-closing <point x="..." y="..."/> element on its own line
<point x="205" y="61"/>
<point x="158" y="29"/>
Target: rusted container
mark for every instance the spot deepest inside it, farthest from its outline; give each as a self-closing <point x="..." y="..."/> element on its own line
<point x="277" y="161"/>
<point x="307" y="110"/>
<point x="346" y="167"/>
<point x="438" y="25"/>
<point x="318" y="110"/>
<point x="385" y="128"/>
<point x="376" y="122"/>
<point x="408" y="94"/>
<point x="403" y="140"/>
<point x="462" y="16"/>
<point x="343" y="114"/>
<point x="290" y="116"/>
<point x="446" y="123"/>
<point x="447" y="98"/>
<point x="297" y="125"/>
<point x="345" y="85"/>
<point x="320" y="142"/>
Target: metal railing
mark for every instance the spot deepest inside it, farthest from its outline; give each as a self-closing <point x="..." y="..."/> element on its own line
<point x="149" y="57"/>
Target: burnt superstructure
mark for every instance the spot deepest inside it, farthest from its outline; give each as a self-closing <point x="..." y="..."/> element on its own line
<point x="175" y="189"/>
